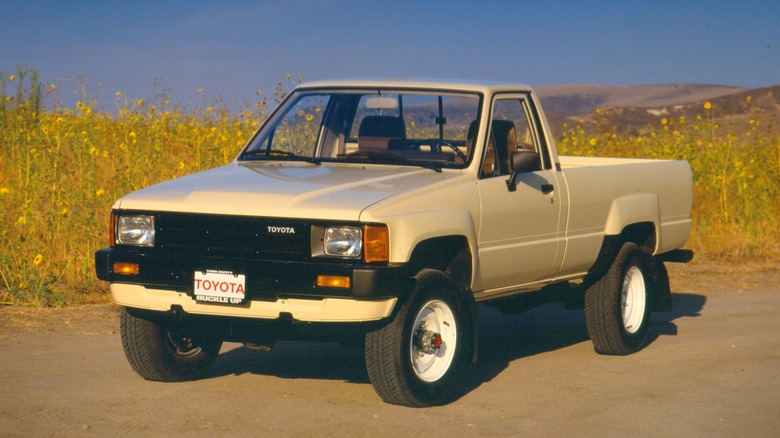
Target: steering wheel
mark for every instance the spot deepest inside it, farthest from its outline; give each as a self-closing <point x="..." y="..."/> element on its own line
<point x="437" y="144"/>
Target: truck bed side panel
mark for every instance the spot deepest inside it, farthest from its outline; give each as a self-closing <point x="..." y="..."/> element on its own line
<point x="608" y="194"/>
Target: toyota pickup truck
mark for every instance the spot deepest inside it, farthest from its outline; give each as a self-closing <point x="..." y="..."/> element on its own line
<point x="380" y="214"/>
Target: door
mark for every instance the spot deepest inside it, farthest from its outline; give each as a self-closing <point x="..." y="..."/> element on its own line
<point x="519" y="233"/>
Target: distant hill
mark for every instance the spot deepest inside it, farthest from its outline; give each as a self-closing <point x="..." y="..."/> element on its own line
<point x="631" y="108"/>
<point x="576" y="100"/>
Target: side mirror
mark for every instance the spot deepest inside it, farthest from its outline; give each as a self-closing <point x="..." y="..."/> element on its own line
<point x="522" y="162"/>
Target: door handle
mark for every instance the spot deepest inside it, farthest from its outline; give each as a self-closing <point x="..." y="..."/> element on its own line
<point x="547" y="188"/>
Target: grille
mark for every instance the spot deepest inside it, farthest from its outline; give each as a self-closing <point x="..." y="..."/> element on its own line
<point x="232" y="236"/>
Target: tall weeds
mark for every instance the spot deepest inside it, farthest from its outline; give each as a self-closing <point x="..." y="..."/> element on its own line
<point x="62" y="168"/>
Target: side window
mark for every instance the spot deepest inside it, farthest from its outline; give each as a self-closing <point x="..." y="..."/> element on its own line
<point x="510" y="131"/>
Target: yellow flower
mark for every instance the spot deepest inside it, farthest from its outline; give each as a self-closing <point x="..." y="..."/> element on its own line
<point x="593" y="142"/>
<point x="4" y="190"/>
<point x="38" y="260"/>
<point x="664" y="121"/>
<point x="180" y="166"/>
<point x="748" y="99"/>
<point x="309" y="117"/>
<point x="52" y="87"/>
<point x="12" y="78"/>
<point x="64" y="211"/>
<point x="99" y="192"/>
<point x="118" y="94"/>
<point x="139" y="102"/>
<point x="22" y="220"/>
<point x="707" y="105"/>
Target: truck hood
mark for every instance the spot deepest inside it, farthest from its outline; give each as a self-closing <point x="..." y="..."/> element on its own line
<point x="334" y="191"/>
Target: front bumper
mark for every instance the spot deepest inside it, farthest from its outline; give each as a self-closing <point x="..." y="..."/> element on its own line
<point x="322" y="310"/>
<point x="272" y="287"/>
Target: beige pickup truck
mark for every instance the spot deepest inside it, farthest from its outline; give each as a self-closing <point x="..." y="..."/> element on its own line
<point x="380" y="213"/>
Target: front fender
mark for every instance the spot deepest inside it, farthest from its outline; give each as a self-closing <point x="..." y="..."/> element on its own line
<point x="407" y="231"/>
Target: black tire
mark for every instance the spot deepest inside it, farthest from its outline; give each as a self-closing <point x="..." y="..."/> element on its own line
<point x="618" y="305"/>
<point x="419" y="358"/>
<point x="157" y="351"/>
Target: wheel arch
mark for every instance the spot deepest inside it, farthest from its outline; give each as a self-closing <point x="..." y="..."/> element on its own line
<point x="450" y="254"/>
<point x="643" y="234"/>
<point x="635" y="218"/>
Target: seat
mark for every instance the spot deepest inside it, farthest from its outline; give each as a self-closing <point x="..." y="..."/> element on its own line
<point x="505" y="136"/>
<point x="380" y="133"/>
<point x="490" y="155"/>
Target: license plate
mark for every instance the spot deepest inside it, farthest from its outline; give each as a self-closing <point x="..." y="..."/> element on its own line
<point x="220" y="287"/>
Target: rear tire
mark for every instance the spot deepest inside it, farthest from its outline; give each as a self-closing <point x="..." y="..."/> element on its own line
<point x="159" y="352"/>
<point x="618" y="305"/>
<point x="419" y="358"/>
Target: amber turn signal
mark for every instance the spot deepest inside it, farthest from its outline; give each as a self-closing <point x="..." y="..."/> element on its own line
<point x="126" y="268"/>
<point x="333" y="281"/>
<point x="376" y="243"/>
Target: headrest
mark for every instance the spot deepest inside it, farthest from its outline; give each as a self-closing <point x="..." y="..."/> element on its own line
<point x="382" y="126"/>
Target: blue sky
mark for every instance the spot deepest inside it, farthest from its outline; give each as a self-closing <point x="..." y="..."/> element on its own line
<point x="234" y="48"/>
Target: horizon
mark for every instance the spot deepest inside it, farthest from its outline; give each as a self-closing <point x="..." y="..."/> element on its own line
<point x="204" y="51"/>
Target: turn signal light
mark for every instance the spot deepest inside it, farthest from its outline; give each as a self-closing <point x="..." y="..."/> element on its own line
<point x="376" y="243"/>
<point x="126" y="268"/>
<point x="334" y="281"/>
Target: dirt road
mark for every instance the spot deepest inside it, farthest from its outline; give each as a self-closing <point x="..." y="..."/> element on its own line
<point x="712" y="368"/>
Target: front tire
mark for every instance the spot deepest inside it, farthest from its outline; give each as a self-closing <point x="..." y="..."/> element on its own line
<point x="160" y="352"/>
<point x="617" y="306"/>
<point x="419" y="358"/>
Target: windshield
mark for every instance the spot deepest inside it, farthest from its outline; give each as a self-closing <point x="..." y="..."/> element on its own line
<point x="405" y="127"/>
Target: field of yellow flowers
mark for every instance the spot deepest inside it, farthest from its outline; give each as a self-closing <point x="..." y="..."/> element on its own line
<point x="62" y="168"/>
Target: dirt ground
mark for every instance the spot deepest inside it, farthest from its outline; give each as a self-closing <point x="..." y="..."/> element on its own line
<point x="712" y="368"/>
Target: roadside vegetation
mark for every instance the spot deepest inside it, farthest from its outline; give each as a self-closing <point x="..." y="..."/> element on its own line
<point x="62" y="168"/>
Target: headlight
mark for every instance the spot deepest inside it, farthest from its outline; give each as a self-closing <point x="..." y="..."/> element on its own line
<point x="135" y="230"/>
<point x="343" y="241"/>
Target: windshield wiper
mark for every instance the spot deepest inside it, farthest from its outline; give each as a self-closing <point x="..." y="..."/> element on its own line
<point x="383" y="157"/>
<point x="276" y="153"/>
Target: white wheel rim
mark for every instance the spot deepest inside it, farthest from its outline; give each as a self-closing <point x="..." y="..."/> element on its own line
<point x="633" y="300"/>
<point x="434" y="317"/>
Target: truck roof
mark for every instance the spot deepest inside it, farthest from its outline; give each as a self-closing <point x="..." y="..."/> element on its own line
<point x="485" y="87"/>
